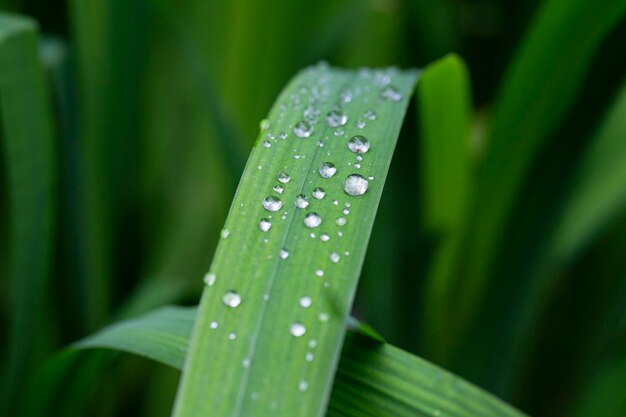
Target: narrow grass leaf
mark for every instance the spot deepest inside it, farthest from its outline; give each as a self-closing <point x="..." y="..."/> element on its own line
<point x="446" y="172"/>
<point x="285" y="271"/>
<point x="29" y="159"/>
<point x="373" y="380"/>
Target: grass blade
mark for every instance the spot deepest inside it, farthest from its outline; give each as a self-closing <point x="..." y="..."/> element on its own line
<point x="446" y="172"/>
<point x="373" y="379"/>
<point x="270" y="272"/>
<point x="30" y="162"/>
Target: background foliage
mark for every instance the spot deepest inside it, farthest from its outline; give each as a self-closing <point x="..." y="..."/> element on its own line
<point x="519" y="289"/>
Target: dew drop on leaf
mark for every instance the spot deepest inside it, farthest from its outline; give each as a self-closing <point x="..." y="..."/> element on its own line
<point x="303" y="129"/>
<point x="390" y="93"/>
<point x="297" y="329"/>
<point x="334" y="257"/>
<point x="312" y="220"/>
<point x="265" y="225"/>
<point x="209" y="279"/>
<point x="336" y="118"/>
<point x="359" y="144"/>
<point x="305" y="302"/>
<point x="272" y="203"/>
<point x="283" y="253"/>
<point x="231" y="299"/>
<point x="283" y="177"/>
<point x="355" y="185"/>
<point x="318" y="193"/>
<point x="301" y="201"/>
<point x="327" y="170"/>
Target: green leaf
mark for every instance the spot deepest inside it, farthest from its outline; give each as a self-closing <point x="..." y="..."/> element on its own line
<point x="444" y="115"/>
<point x="374" y="379"/>
<point x="272" y="271"/>
<point x="30" y="163"/>
<point x="539" y="89"/>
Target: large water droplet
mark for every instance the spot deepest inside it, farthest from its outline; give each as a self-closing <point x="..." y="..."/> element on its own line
<point x="283" y="253"/>
<point x="284" y="178"/>
<point x="301" y="201"/>
<point x="305" y="302"/>
<point x="390" y="93"/>
<point x="312" y="220"/>
<point x="359" y="144"/>
<point x="272" y="203"/>
<point x="336" y="118"/>
<point x="327" y="170"/>
<point x="297" y="329"/>
<point x="209" y="279"/>
<point x="265" y="225"/>
<point x="231" y="299"/>
<point x="303" y="129"/>
<point x="355" y="185"/>
<point x="318" y="193"/>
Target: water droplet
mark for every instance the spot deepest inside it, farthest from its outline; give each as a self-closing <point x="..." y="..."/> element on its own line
<point x="303" y="386"/>
<point x="359" y="144"/>
<point x="312" y="343"/>
<point x="309" y="357"/>
<point x="390" y="93"/>
<point x="370" y="178"/>
<point x="213" y="325"/>
<point x="297" y="329"/>
<point x="334" y="257"/>
<point x="264" y="124"/>
<point x="312" y="220"/>
<point x="327" y="170"/>
<point x="301" y="201"/>
<point x="209" y="279"/>
<point x="265" y="225"/>
<point x="225" y="233"/>
<point x="305" y="302"/>
<point x="267" y="144"/>
<point x="318" y="193"/>
<point x="324" y="237"/>
<point x="283" y="135"/>
<point x="346" y="96"/>
<point x="339" y="132"/>
<point x="360" y="124"/>
<point x="231" y="299"/>
<point x="284" y="178"/>
<point x="283" y="216"/>
<point x="270" y="135"/>
<point x="272" y="203"/>
<point x="311" y="114"/>
<point x="283" y="253"/>
<point x="279" y="189"/>
<point x="341" y="221"/>
<point x="246" y="363"/>
<point x="323" y="317"/>
<point x="336" y="118"/>
<point x="346" y="211"/>
<point x="303" y="129"/>
<point x="232" y="336"/>
<point x="355" y="185"/>
<point x="319" y="273"/>
<point x="370" y="115"/>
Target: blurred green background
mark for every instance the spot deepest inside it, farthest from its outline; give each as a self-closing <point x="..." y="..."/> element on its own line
<point x="157" y="104"/>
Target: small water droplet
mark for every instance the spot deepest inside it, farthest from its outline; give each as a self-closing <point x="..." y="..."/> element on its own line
<point x="209" y="279"/>
<point x="267" y="144"/>
<point x="346" y="211"/>
<point x="279" y="189"/>
<point x="335" y="202"/>
<point x="283" y="135"/>
<point x="336" y="118"/>
<point x="390" y="93"/>
<point x="246" y="363"/>
<point x="323" y="317"/>
<point x="319" y="273"/>
<point x="341" y="221"/>
<point x="359" y="144"/>
<point x="303" y="386"/>
<point x="266" y="297"/>
<point x="301" y="201"/>
<point x="370" y="115"/>
<point x="283" y="177"/>
<point x="231" y="299"/>
<point x="297" y="329"/>
<point x="303" y="129"/>
<point x="214" y="325"/>
<point x="324" y="237"/>
<point x="312" y="343"/>
<point x="339" y="132"/>
<point x="346" y="96"/>
<point x="305" y="302"/>
<point x="283" y="253"/>
<point x="355" y="185"/>
<point x="265" y="225"/>
<point x="360" y="124"/>
<point x="232" y="336"/>
<point x="327" y="170"/>
<point x="264" y="124"/>
<point x="318" y="193"/>
<point x="272" y="203"/>
<point x="309" y="357"/>
<point x="334" y="257"/>
<point x="312" y="220"/>
<point x="370" y="178"/>
<point x="312" y="235"/>
<point x="225" y="233"/>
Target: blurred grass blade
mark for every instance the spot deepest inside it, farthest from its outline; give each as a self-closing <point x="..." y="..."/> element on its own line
<point x="373" y="380"/>
<point x="29" y="159"/>
<point x="252" y="320"/>
<point x="539" y="89"/>
<point x="598" y="193"/>
<point x="444" y="115"/>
